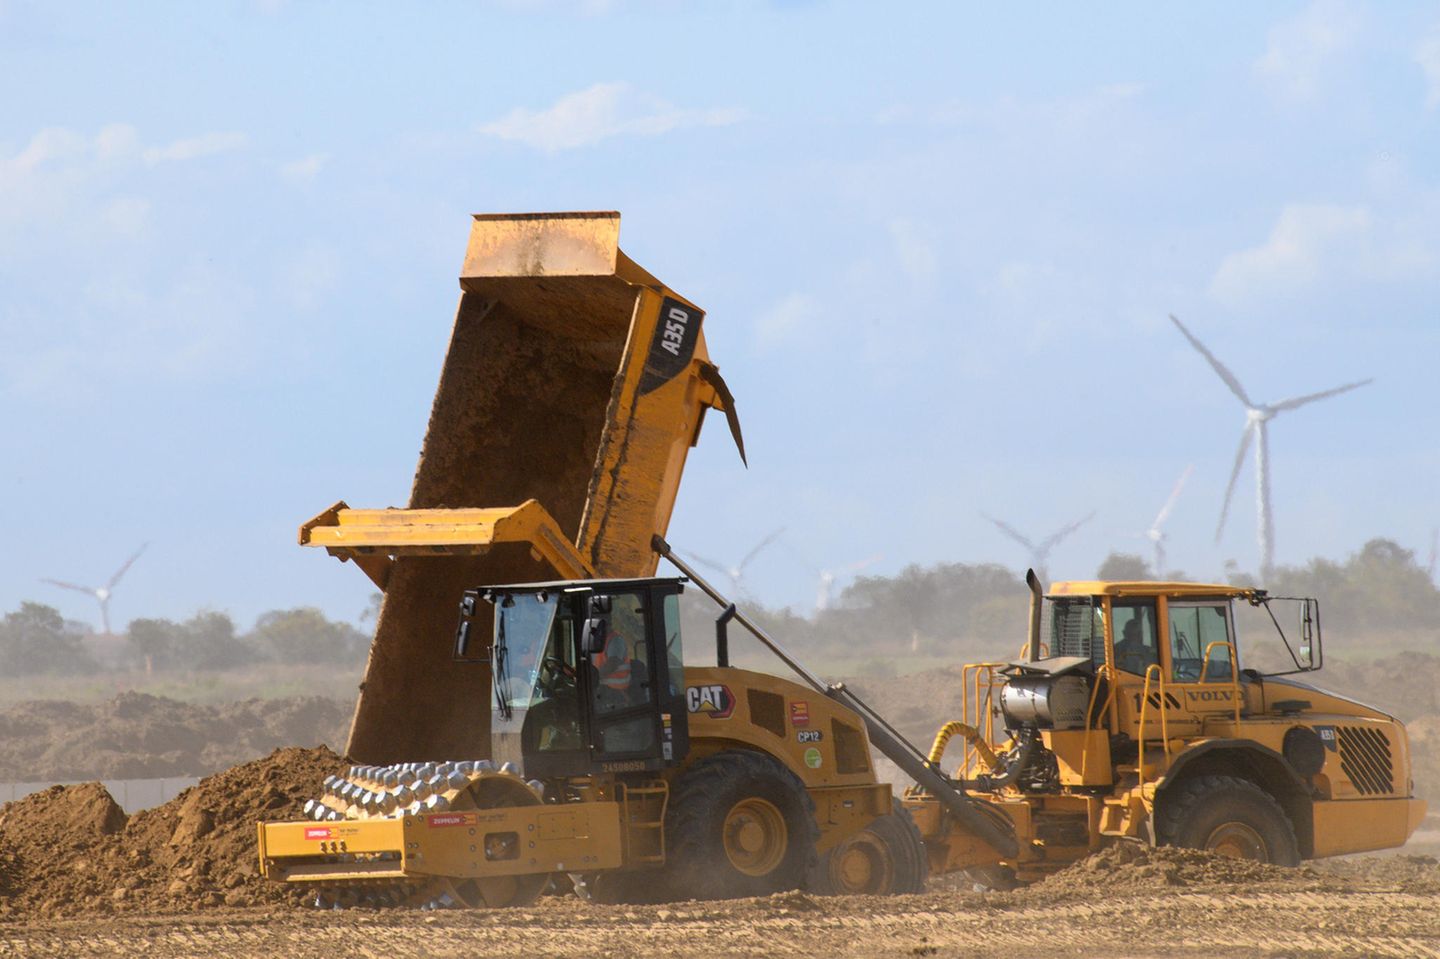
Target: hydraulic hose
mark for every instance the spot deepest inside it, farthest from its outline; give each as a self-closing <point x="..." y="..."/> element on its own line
<point x="971" y="735"/>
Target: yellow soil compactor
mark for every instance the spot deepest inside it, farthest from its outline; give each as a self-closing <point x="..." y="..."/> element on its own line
<point x="591" y="752"/>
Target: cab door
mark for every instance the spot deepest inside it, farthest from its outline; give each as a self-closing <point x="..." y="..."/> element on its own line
<point x="1199" y="660"/>
<point x="633" y="686"/>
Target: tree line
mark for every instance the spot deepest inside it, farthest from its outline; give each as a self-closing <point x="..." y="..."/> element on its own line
<point x="35" y="639"/>
<point x="957" y="611"/>
<point x="980" y="611"/>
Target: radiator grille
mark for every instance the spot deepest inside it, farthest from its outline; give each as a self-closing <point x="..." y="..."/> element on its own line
<point x="1365" y="759"/>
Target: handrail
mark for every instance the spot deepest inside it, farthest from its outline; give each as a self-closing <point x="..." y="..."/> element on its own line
<point x="1234" y="681"/>
<point x="1164" y="723"/>
<point x="1102" y="675"/>
<point x="982" y="717"/>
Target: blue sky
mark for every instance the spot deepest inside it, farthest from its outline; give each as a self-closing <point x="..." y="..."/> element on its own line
<point x="937" y="249"/>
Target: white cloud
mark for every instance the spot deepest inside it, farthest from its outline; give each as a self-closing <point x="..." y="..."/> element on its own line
<point x="1303" y="48"/>
<point x="1306" y="239"/>
<point x="786" y="321"/>
<point x="127" y="215"/>
<point x="305" y="168"/>
<point x="597" y="113"/>
<point x="61" y="172"/>
<point x="1427" y="54"/>
<point x="913" y="248"/>
<point x="194" y="148"/>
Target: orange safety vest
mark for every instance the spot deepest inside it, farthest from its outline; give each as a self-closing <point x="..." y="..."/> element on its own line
<point x="613" y="664"/>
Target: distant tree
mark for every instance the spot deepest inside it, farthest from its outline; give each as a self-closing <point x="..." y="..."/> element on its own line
<point x="36" y="639"/>
<point x="206" y="640"/>
<point x="155" y="642"/>
<point x="210" y="643"/>
<point x="305" y="636"/>
<point x="1119" y="567"/>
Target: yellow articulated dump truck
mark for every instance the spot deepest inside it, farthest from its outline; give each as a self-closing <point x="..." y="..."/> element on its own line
<point x="574" y="386"/>
<point x="617" y="767"/>
<point x="1131" y="715"/>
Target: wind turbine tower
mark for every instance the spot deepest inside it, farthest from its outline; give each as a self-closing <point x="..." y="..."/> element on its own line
<point x="1039" y="552"/>
<point x="1257" y="428"/>
<point x="1155" y="534"/>
<point x="825" y="589"/>
<point x="104" y="593"/>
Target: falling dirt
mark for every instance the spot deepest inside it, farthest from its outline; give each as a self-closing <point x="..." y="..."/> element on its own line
<point x="137" y="736"/>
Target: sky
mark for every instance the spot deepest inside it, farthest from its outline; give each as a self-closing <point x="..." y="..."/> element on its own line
<point x="937" y="245"/>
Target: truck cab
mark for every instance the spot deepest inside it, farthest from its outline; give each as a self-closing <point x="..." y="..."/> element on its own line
<point x="587" y="677"/>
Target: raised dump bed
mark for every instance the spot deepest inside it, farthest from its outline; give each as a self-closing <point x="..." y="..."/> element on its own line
<point x="573" y="388"/>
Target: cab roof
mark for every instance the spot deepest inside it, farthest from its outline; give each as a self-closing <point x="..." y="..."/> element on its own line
<point x="1142" y="588"/>
<point x="566" y="585"/>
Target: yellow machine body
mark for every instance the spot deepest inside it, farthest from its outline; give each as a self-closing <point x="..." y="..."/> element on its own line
<point x="614" y="822"/>
<point x="1358" y="798"/>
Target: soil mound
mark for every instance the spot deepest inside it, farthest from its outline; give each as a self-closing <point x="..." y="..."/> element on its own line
<point x="138" y="736"/>
<point x="1130" y="866"/>
<point x="75" y="853"/>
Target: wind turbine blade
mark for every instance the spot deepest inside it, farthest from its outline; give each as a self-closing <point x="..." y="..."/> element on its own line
<point x="1012" y="532"/>
<point x="1234" y="475"/>
<point x="1297" y="401"/>
<point x="126" y="567"/>
<point x="857" y="567"/>
<point x="759" y="546"/>
<point x="1220" y="368"/>
<point x="720" y="568"/>
<point x="88" y="590"/>
<point x="1060" y="534"/>
<point x="1164" y="513"/>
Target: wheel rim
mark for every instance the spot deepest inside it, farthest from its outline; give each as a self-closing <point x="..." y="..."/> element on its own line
<point x="862" y="864"/>
<point x="755" y="836"/>
<point x="1237" y="841"/>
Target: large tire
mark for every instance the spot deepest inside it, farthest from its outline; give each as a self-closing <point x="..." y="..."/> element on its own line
<point x="1228" y="816"/>
<point x="739" y="824"/>
<point x="885" y="858"/>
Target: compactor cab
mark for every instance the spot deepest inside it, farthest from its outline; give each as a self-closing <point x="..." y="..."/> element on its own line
<point x="588" y="677"/>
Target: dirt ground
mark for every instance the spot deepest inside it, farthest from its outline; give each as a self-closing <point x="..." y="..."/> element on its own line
<point x="1313" y="913"/>
<point x="79" y="877"/>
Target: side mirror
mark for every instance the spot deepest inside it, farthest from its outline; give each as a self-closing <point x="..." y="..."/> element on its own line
<point x="599" y="605"/>
<point x="468" y="607"/>
<point x="1310" y="652"/>
<point x="592" y="636"/>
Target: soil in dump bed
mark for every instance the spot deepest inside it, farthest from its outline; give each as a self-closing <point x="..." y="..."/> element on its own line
<point x="139" y="736"/>
<point x="72" y="851"/>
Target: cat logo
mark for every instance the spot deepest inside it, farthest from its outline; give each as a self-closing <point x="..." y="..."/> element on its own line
<point x="714" y="701"/>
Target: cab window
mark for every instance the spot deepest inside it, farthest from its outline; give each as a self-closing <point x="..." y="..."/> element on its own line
<point x="1133" y="622"/>
<point x="622" y="687"/>
<point x="1195" y="630"/>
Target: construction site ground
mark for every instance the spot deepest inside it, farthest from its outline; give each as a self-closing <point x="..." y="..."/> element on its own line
<point x="79" y="877"/>
<point x="1366" y="909"/>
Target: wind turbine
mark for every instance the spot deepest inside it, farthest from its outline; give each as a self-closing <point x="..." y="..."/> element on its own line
<point x="736" y="573"/>
<point x="825" y="590"/>
<point x="102" y="593"/>
<point x="1257" y="419"/>
<point x="1039" y="552"/>
<point x="1154" y="533"/>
